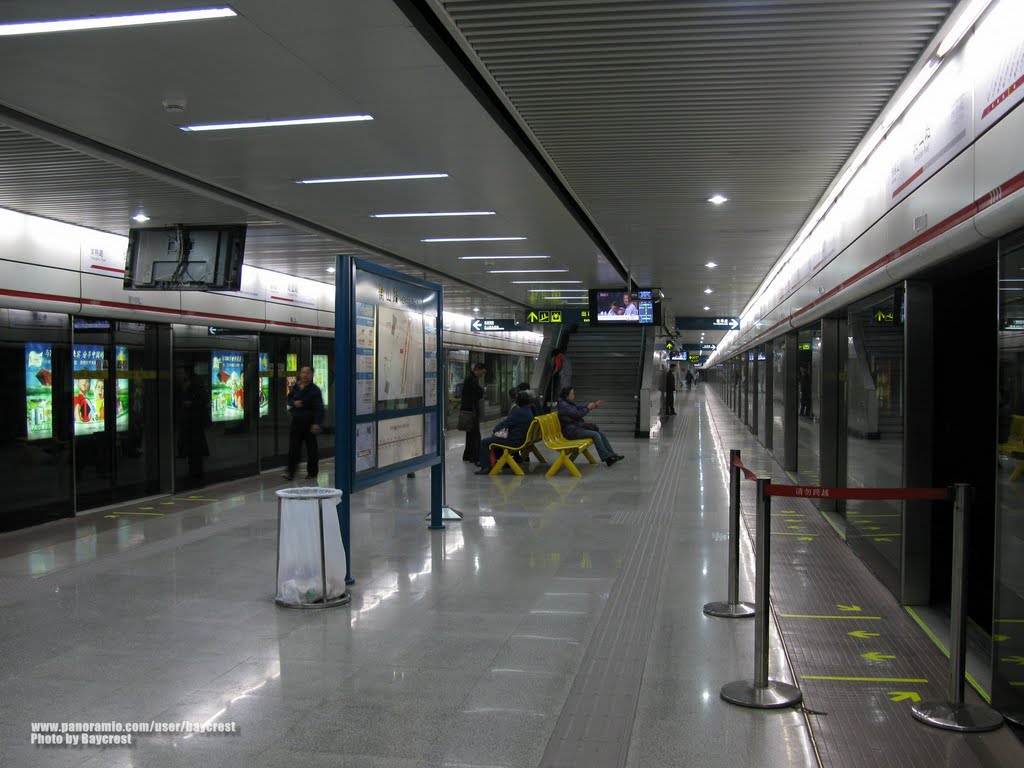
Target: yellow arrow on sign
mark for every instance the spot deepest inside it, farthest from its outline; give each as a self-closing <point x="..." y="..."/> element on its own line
<point x="848" y="607"/>
<point x="863" y="633"/>
<point x="904" y="696"/>
<point x="876" y="656"/>
<point x="1014" y="660"/>
<point x="532" y="317"/>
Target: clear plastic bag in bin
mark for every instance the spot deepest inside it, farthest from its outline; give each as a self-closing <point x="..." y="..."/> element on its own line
<point x="298" y="572"/>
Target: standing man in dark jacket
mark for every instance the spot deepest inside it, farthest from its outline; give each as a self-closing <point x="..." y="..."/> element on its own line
<point x="670" y="390"/>
<point x="469" y="411"/>
<point x="306" y="402"/>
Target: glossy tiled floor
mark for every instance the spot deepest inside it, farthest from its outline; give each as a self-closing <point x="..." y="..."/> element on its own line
<point x="558" y="624"/>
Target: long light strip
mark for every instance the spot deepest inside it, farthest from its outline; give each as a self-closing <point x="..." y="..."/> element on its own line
<point x="964" y="23"/>
<point x="428" y="214"/>
<point x="546" y="282"/>
<point x="489" y="258"/>
<point x="110" y="22"/>
<point x="400" y="177"/>
<point x="558" y="290"/>
<point x="467" y="239"/>
<point x="522" y="271"/>
<point x="276" y="123"/>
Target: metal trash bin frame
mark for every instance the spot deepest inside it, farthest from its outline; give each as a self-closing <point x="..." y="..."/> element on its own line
<point x="320" y="495"/>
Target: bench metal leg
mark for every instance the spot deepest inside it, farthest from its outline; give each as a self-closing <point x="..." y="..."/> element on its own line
<point x="506" y="460"/>
<point x="563" y="461"/>
<point x="590" y="456"/>
<point x="538" y="454"/>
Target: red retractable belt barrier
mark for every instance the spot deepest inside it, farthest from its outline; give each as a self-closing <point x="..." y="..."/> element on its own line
<point x="864" y="494"/>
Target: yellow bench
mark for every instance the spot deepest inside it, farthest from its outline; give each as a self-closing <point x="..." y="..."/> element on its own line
<point x="529" y="444"/>
<point x="568" y="450"/>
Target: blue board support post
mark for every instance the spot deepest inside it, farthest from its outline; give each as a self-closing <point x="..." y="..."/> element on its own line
<point x="436" y="493"/>
<point x="344" y="396"/>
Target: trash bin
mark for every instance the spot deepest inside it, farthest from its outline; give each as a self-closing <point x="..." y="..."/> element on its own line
<point x="310" y="556"/>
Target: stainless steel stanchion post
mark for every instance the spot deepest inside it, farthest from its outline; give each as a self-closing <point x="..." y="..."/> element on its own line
<point x="953" y="714"/>
<point x="762" y="693"/>
<point x="733" y="608"/>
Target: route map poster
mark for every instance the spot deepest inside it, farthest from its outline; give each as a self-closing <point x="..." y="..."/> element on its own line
<point x="366" y="324"/>
<point x="399" y="359"/>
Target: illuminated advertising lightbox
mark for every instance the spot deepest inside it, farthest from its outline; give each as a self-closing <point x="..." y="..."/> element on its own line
<point x="320" y="376"/>
<point x="227" y="385"/>
<point x="264" y="383"/>
<point x="39" y="391"/>
<point x="91" y="374"/>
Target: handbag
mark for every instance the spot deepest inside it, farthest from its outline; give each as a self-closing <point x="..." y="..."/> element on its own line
<point x="501" y="433"/>
<point x="467" y="421"/>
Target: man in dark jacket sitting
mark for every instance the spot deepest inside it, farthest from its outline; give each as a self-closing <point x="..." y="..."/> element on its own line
<point x="570" y="416"/>
<point x="517" y="423"/>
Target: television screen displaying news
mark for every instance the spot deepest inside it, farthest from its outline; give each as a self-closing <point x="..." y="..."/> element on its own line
<point x="621" y="306"/>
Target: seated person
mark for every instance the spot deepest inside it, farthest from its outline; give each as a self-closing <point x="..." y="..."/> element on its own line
<point x="574" y="427"/>
<point x="517" y="423"/>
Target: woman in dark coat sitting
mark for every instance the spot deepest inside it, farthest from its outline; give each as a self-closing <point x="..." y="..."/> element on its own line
<point x="574" y="427"/>
<point x="517" y="423"/>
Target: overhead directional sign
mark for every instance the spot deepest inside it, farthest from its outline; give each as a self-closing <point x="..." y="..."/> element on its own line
<point x="482" y="325"/>
<point x="707" y="323"/>
<point x="559" y="315"/>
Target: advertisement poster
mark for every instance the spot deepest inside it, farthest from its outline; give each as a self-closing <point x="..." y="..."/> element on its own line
<point x="121" y="377"/>
<point x="291" y="368"/>
<point x="264" y="383"/>
<point x="86" y="360"/>
<point x="227" y="385"/>
<point x="365" y="343"/>
<point x="320" y="376"/>
<point x="39" y="391"/>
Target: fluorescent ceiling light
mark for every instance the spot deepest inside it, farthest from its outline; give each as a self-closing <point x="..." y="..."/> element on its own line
<point x="476" y="309"/>
<point x="718" y="199"/>
<point x="276" y="123"/>
<point x="467" y="239"/>
<point x="711" y="265"/>
<point x="522" y="271"/>
<point x="428" y="214"/>
<point x="348" y="179"/>
<point x="706" y="308"/>
<point x="709" y="290"/>
<point x="331" y="270"/>
<point x="140" y="217"/>
<point x="546" y="282"/>
<point x="558" y="290"/>
<point x="475" y="258"/>
<point x="109" y="22"/>
<point x="964" y="23"/>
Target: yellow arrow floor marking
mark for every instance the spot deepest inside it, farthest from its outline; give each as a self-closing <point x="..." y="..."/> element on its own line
<point x="796" y="527"/>
<point x="145" y="507"/>
<point x="167" y="503"/>
<point x="193" y="498"/>
<point x="847" y="607"/>
<point x="1019" y="660"/>
<point x="904" y="696"/>
<point x="1000" y="638"/>
<point x="789" y="533"/>
<point x="863" y="633"/>
<point x="877" y="656"/>
<point x="816" y="616"/>
<point x="1010" y="621"/>
<point x="882" y="538"/>
<point x="866" y="679"/>
<point x="806" y="538"/>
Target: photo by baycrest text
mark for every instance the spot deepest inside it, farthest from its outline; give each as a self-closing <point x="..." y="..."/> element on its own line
<point x="115" y="732"/>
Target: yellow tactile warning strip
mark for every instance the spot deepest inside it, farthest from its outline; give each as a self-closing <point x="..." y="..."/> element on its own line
<point x="859" y="659"/>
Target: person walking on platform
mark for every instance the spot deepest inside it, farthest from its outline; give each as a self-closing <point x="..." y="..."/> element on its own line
<point x="574" y="427"/>
<point x="306" y="403"/>
<point x="689" y="378"/>
<point x="469" y="412"/>
<point x="670" y="390"/>
<point x="805" y="391"/>
<point x="515" y="427"/>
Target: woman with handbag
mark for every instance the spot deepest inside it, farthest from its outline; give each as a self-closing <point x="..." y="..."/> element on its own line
<point x="469" y="412"/>
<point x="510" y="431"/>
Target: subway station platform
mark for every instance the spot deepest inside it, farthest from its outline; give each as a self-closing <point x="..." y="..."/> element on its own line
<point x="558" y="624"/>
